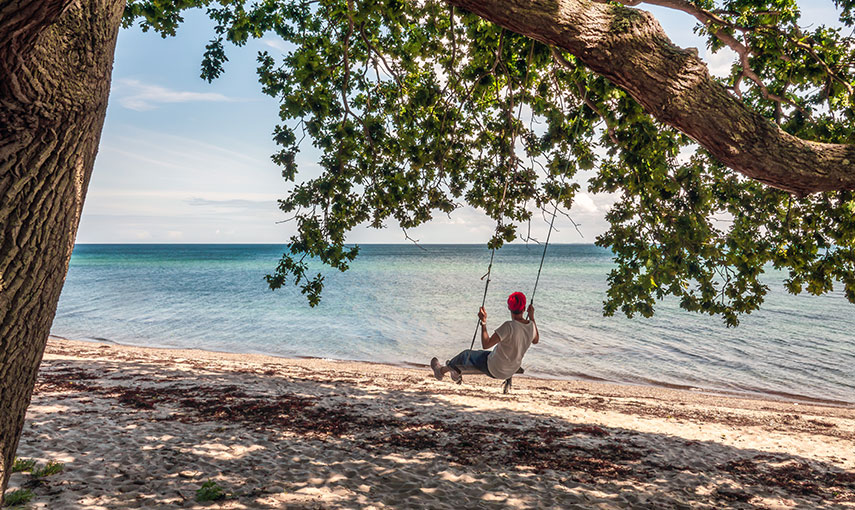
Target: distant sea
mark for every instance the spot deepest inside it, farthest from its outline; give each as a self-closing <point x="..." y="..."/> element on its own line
<point x="404" y="304"/>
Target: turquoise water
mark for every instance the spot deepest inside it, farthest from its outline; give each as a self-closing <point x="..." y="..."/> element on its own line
<point x="400" y="303"/>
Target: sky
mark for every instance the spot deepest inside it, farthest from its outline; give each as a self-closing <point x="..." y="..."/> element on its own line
<point x="185" y="161"/>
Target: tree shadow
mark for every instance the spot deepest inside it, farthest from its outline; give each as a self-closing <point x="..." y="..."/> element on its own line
<point x="279" y="436"/>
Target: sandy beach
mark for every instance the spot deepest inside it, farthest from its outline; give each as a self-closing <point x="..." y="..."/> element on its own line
<point x="145" y="428"/>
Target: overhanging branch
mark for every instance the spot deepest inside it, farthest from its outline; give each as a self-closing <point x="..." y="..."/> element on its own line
<point x="629" y="47"/>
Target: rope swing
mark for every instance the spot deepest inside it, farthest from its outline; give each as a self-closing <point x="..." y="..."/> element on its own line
<point x="506" y="388"/>
<point x="488" y="275"/>
<point x="489" y="272"/>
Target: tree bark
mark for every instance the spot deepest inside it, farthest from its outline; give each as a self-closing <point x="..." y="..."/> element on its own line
<point x="56" y="58"/>
<point x="629" y="47"/>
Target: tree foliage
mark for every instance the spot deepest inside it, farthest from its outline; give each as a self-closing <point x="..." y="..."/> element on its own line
<point x="419" y="108"/>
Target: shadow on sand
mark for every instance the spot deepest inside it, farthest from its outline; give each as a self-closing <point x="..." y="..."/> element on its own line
<point x="283" y="441"/>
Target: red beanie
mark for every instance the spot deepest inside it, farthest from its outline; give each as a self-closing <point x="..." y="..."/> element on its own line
<point x="516" y="302"/>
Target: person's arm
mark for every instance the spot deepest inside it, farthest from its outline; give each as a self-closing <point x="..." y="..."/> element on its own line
<point x="531" y="318"/>
<point x="487" y="341"/>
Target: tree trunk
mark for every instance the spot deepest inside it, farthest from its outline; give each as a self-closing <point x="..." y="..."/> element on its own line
<point x="56" y="57"/>
<point x="628" y="47"/>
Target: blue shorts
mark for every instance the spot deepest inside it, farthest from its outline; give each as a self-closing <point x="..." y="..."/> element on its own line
<point x="471" y="358"/>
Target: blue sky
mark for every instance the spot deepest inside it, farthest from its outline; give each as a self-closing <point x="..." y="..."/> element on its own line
<point x="184" y="161"/>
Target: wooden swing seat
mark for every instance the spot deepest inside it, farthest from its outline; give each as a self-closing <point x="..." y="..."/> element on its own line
<point x="470" y="370"/>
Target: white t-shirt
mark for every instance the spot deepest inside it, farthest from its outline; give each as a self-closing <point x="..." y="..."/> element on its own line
<point x="515" y="339"/>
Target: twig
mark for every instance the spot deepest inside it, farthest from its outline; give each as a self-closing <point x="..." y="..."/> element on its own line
<point x="575" y="225"/>
<point x="414" y="241"/>
<point x="583" y="94"/>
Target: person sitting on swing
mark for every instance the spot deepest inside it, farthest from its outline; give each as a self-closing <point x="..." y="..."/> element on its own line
<point x="512" y="339"/>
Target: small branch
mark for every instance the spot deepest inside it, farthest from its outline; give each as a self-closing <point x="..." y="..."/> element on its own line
<point x="344" y="100"/>
<point x="532" y="239"/>
<point x="414" y="241"/>
<point x="583" y="94"/>
<point x="834" y="76"/>
<point x="346" y="45"/>
<point x="575" y="225"/>
<point x="292" y="218"/>
<point x="374" y="51"/>
<point x="789" y="208"/>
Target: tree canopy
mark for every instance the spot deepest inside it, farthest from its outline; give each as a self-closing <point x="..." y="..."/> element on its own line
<point x="420" y="107"/>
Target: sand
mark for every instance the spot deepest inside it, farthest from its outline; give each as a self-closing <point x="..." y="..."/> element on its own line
<point x="145" y="428"/>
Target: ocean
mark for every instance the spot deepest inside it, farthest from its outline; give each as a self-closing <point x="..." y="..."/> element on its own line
<point x="404" y="304"/>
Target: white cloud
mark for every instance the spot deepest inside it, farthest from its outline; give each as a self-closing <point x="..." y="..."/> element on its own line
<point x="232" y="203"/>
<point x="181" y="152"/>
<point x="141" y="157"/>
<point x="182" y="195"/>
<point x="583" y="202"/>
<point x="719" y="63"/>
<point x="139" y="96"/>
<point x="274" y="43"/>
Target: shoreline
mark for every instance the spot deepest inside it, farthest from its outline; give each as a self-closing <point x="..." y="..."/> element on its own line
<point x="139" y="427"/>
<point x="763" y="395"/>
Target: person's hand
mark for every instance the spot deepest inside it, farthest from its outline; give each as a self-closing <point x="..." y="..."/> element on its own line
<point x="482" y="315"/>
<point x="531" y="312"/>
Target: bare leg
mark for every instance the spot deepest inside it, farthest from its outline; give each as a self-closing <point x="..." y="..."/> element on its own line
<point x="438" y="370"/>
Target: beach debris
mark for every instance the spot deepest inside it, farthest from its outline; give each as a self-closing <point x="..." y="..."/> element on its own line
<point x="794" y="476"/>
<point x="820" y="423"/>
<point x="135" y="398"/>
<point x="732" y="494"/>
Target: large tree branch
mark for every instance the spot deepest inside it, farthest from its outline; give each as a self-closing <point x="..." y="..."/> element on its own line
<point x="715" y="25"/>
<point x="713" y="22"/>
<point x="628" y="47"/>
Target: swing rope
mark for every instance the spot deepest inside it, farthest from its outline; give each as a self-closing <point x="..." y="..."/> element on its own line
<point x="504" y="192"/>
<point x="507" y="384"/>
<point x="483" y="302"/>
<point x="499" y="224"/>
<point x="545" y="246"/>
<point x="488" y="277"/>
<point x="489" y="273"/>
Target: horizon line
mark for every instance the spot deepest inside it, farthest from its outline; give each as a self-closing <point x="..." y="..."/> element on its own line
<point x="346" y="244"/>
